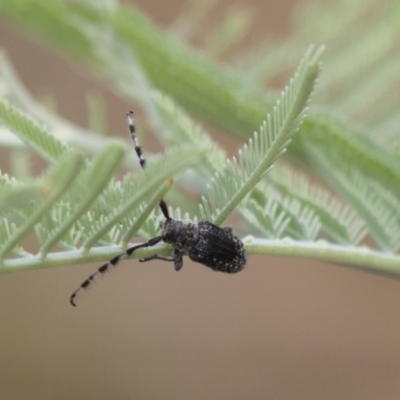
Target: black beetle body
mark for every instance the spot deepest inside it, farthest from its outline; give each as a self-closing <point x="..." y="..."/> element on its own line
<point x="205" y="243"/>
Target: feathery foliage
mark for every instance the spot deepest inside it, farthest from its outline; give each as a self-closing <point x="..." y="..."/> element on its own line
<point x="76" y="203"/>
<point x="358" y="165"/>
<point x="337" y="220"/>
<point x="28" y="131"/>
<point x="236" y="179"/>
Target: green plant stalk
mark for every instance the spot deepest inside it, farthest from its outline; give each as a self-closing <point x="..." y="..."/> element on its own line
<point x="59" y="259"/>
<point x="102" y="169"/>
<point x="361" y="258"/>
<point x="70" y="168"/>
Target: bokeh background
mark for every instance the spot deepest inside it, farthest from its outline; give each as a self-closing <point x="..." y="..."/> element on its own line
<point x="282" y="329"/>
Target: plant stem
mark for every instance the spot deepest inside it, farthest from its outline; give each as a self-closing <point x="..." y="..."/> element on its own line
<point x="361" y="257"/>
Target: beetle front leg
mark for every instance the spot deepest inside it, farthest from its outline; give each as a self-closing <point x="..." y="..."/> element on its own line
<point x="177" y="259"/>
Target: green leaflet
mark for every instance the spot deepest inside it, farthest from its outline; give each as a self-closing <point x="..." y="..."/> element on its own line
<point x="237" y="178"/>
<point x="59" y="181"/>
<point x="31" y="133"/>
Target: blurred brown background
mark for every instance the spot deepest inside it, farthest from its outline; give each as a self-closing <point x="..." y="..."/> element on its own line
<point x="282" y="329"/>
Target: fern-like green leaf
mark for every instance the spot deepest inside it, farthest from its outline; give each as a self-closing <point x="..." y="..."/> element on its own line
<point x="237" y="178"/>
<point x="338" y="220"/>
<point x="31" y="133"/>
<point x="182" y="129"/>
<point x="266" y="216"/>
<point x="14" y="193"/>
<point x="135" y="56"/>
<point x="381" y="217"/>
<point x="277" y="215"/>
<point x="96" y="177"/>
<point x="60" y="180"/>
<point x="338" y="142"/>
<point x="62" y="131"/>
<point x="128" y="195"/>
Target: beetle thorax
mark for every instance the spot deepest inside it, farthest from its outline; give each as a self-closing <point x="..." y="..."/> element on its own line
<point x="182" y="235"/>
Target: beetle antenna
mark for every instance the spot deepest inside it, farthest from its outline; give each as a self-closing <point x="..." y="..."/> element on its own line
<point x="142" y="160"/>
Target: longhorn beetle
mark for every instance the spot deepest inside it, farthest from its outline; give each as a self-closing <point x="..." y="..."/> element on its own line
<point x="205" y="243"/>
